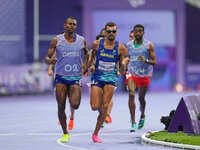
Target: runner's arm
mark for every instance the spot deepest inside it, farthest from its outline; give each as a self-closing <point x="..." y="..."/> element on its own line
<point x="50" y="70"/>
<point x="49" y="59"/>
<point x="124" y="60"/>
<point x="92" y="54"/>
<point x="84" y="57"/>
<point x="152" y="55"/>
<point x="152" y="60"/>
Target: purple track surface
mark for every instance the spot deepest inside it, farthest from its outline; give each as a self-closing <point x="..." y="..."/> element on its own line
<point x="30" y="123"/>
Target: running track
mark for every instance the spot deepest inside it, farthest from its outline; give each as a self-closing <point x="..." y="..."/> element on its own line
<point x="30" y="123"/>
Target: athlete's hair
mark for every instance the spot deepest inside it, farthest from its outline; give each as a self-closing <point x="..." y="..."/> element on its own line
<point x="131" y="32"/>
<point x="73" y="18"/>
<point x="110" y="24"/>
<point x="99" y="36"/>
<point x="102" y="30"/>
<point x="138" y="25"/>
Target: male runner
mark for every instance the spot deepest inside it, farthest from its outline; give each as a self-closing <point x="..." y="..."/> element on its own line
<point x="140" y="68"/>
<point x="131" y="37"/>
<point x="69" y="47"/>
<point x="107" y="53"/>
<point x="108" y="117"/>
<point x="71" y="121"/>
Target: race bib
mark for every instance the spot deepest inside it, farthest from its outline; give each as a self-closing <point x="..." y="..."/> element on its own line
<point x="106" y="66"/>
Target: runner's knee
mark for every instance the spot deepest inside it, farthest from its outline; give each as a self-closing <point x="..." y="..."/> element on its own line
<point x="94" y="107"/>
<point x="75" y="105"/>
<point x="131" y="92"/>
<point x="75" y="101"/>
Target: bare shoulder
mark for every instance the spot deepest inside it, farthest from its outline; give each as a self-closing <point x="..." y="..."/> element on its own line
<point x="122" y="48"/>
<point x="151" y="46"/>
<point x="54" y="42"/>
<point x="55" y="39"/>
<point x="95" y="44"/>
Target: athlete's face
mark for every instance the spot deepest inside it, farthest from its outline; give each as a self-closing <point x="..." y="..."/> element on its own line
<point x="138" y="33"/>
<point x="111" y="32"/>
<point x="70" y="25"/>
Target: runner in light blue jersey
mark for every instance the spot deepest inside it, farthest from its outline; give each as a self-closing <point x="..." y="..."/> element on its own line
<point x="140" y="68"/>
<point x="70" y="49"/>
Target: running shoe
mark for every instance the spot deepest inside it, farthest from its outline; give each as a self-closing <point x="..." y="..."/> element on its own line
<point x="108" y="119"/>
<point x="71" y="124"/>
<point x="96" y="139"/>
<point x="65" y="138"/>
<point x="133" y="127"/>
<point x="59" y="122"/>
<point x="141" y="123"/>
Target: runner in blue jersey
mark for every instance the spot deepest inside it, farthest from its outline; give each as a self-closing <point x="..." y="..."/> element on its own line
<point x="108" y="116"/>
<point x="140" y="62"/>
<point x="106" y="52"/>
<point x="70" y="49"/>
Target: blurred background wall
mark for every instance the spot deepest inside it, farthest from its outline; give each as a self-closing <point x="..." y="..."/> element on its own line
<point x="28" y="26"/>
<point x="12" y="32"/>
<point x="164" y="23"/>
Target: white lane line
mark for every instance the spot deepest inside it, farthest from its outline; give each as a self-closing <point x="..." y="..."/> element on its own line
<point x="28" y="134"/>
<point x="71" y="147"/>
<point x="107" y="132"/>
<point x="81" y="134"/>
<point x="47" y="134"/>
<point x="42" y="134"/>
<point x="7" y="134"/>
